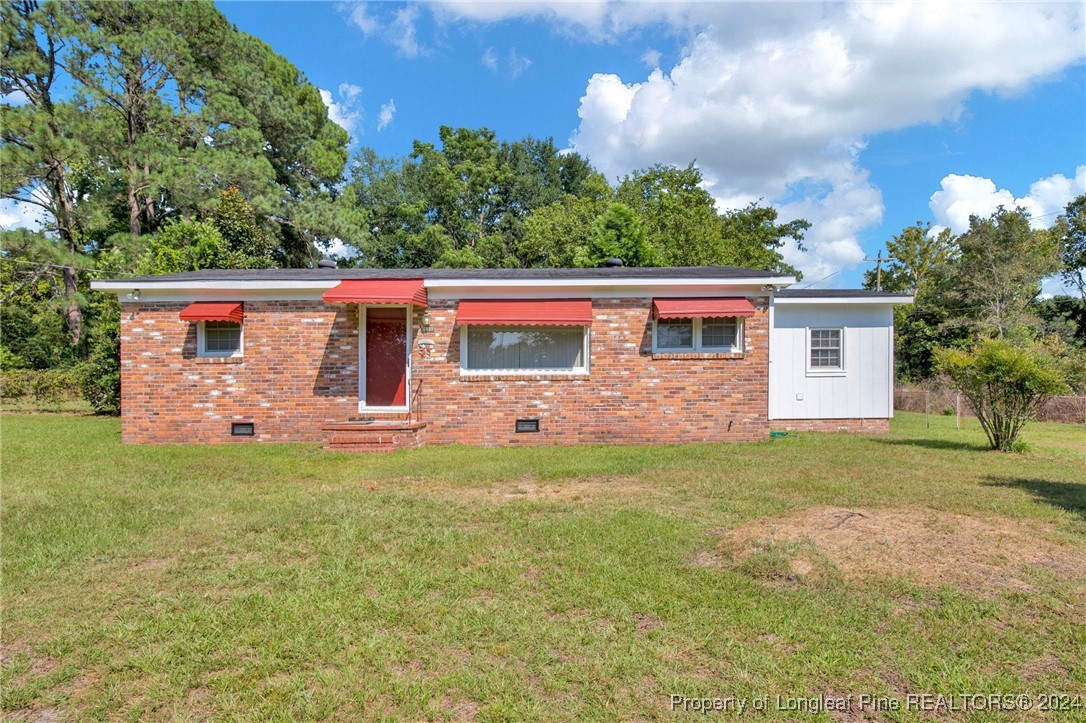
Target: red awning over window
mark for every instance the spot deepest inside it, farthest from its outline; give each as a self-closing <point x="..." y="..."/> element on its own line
<point x="689" y="308"/>
<point x="377" y="291"/>
<point x="213" y="311"/>
<point x="528" y="312"/>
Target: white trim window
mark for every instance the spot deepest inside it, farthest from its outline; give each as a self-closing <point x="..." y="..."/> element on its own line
<point x="825" y="349"/>
<point x="509" y="349"/>
<point x="698" y="334"/>
<point x="219" y="339"/>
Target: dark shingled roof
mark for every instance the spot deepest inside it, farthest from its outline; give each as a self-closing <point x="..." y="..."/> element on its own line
<point x="839" y="294"/>
<point x="622" y="272"/>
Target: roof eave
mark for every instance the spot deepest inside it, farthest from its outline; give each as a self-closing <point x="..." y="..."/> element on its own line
<point x="814" y="299"/>
<point x="123" y="286"/>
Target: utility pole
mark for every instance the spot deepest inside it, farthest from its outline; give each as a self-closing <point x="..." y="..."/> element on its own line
<point x="878" y="268"/>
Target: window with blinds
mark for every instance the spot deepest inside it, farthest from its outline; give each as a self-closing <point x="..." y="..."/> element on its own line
<point x="525" y="348"/>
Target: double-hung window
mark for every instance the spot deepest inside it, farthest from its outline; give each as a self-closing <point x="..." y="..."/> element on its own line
<point x="699" y="334"/>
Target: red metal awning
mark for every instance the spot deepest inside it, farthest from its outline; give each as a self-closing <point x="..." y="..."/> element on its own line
<point x="689" y="308"/>
<point x="213" y="311"/>
<point x="529" y="312"/>
<point x="377" y="291"/>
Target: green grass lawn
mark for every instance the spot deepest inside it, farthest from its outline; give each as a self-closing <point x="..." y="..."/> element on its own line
<point x="279" y="581"/>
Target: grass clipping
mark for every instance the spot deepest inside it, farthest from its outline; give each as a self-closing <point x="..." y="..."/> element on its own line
<point x="923" y="546"/>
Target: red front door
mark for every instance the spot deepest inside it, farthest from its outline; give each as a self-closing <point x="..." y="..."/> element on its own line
<point x="386" y="356"/>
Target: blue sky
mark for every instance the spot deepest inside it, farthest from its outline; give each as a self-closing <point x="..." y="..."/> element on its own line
<point x="861" y="117"/>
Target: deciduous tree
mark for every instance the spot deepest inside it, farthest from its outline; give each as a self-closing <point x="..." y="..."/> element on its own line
<point x="553" y="234"/>
<point x="1001" y="264"/>
<point x="618" y="233"/>
<point x="1070" y="233"/>
<point x="682" y="222"/>
<point x="921" y="264"/>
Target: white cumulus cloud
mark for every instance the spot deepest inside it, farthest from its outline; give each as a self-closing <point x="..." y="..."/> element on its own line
<point x="779" y="112"/>
<point x="15" y="97"/>
<point x="14" y="214"/>
<point x="962" y="196"/>
<point x="583" y="16"/>
<point x="399" y="28"/>
<point x="515" y="63"/>
<point x="349" y="91"/>
<point x="403" y="32"/>
<point x="360" y="17"/>
<point x="335" y="247"/>
<point x="651" y="58"/>
<point x="346" y="110"/>
<point x="386" y="114"/>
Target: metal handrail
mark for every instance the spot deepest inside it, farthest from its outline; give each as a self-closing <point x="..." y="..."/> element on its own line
<point x="416" y="403"/>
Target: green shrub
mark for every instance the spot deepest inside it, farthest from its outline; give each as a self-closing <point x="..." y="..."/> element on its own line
<point x="51" y="385"/>
<point x="1005" y="384"/>
<point x="100" y="376"/>
<point x="10" y="360"/>
<point x="45" y="386"/>
<point x="15" y="383"/>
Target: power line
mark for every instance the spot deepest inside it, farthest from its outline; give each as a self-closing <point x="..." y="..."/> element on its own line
<point x="819" y="281"/>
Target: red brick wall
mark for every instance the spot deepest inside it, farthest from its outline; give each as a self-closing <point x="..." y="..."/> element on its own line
<point x="628" y="397"/>
<point x="831" y="425"/>
<point x="300" y="372"/>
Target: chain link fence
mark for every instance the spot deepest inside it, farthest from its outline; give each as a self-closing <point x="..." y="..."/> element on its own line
<point x="941" y="399"/>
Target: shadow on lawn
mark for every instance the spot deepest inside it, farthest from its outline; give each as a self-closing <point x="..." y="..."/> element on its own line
<point x="934" y="444"/>
<point x="1071" y="496"/>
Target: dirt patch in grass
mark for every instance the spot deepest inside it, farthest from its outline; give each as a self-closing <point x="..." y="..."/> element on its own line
<point x="150" y="563"/>
<point x="38" y="715"/>
<point x="12" y="654"/>
<point x="575" y="490"/>
<point x="647" y="623"/>
<point x="1046" y="665"/>
<point x="459" y="710"/>
<point x="926" y="547"/>
<point x="705" y="558"/>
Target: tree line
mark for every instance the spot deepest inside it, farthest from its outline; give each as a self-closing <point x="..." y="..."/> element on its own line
<point x="474" y="201"/>
<point x="155" y="137"/>
<point x="986" y="283"/>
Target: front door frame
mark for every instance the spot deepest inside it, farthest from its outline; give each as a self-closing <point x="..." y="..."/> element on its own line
<point x="362" y="407"/>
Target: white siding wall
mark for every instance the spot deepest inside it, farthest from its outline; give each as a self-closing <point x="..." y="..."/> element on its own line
<point x="864" y="389"/>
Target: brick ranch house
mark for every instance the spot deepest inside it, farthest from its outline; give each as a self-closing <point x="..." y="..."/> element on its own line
<point x="379" y="359"/>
